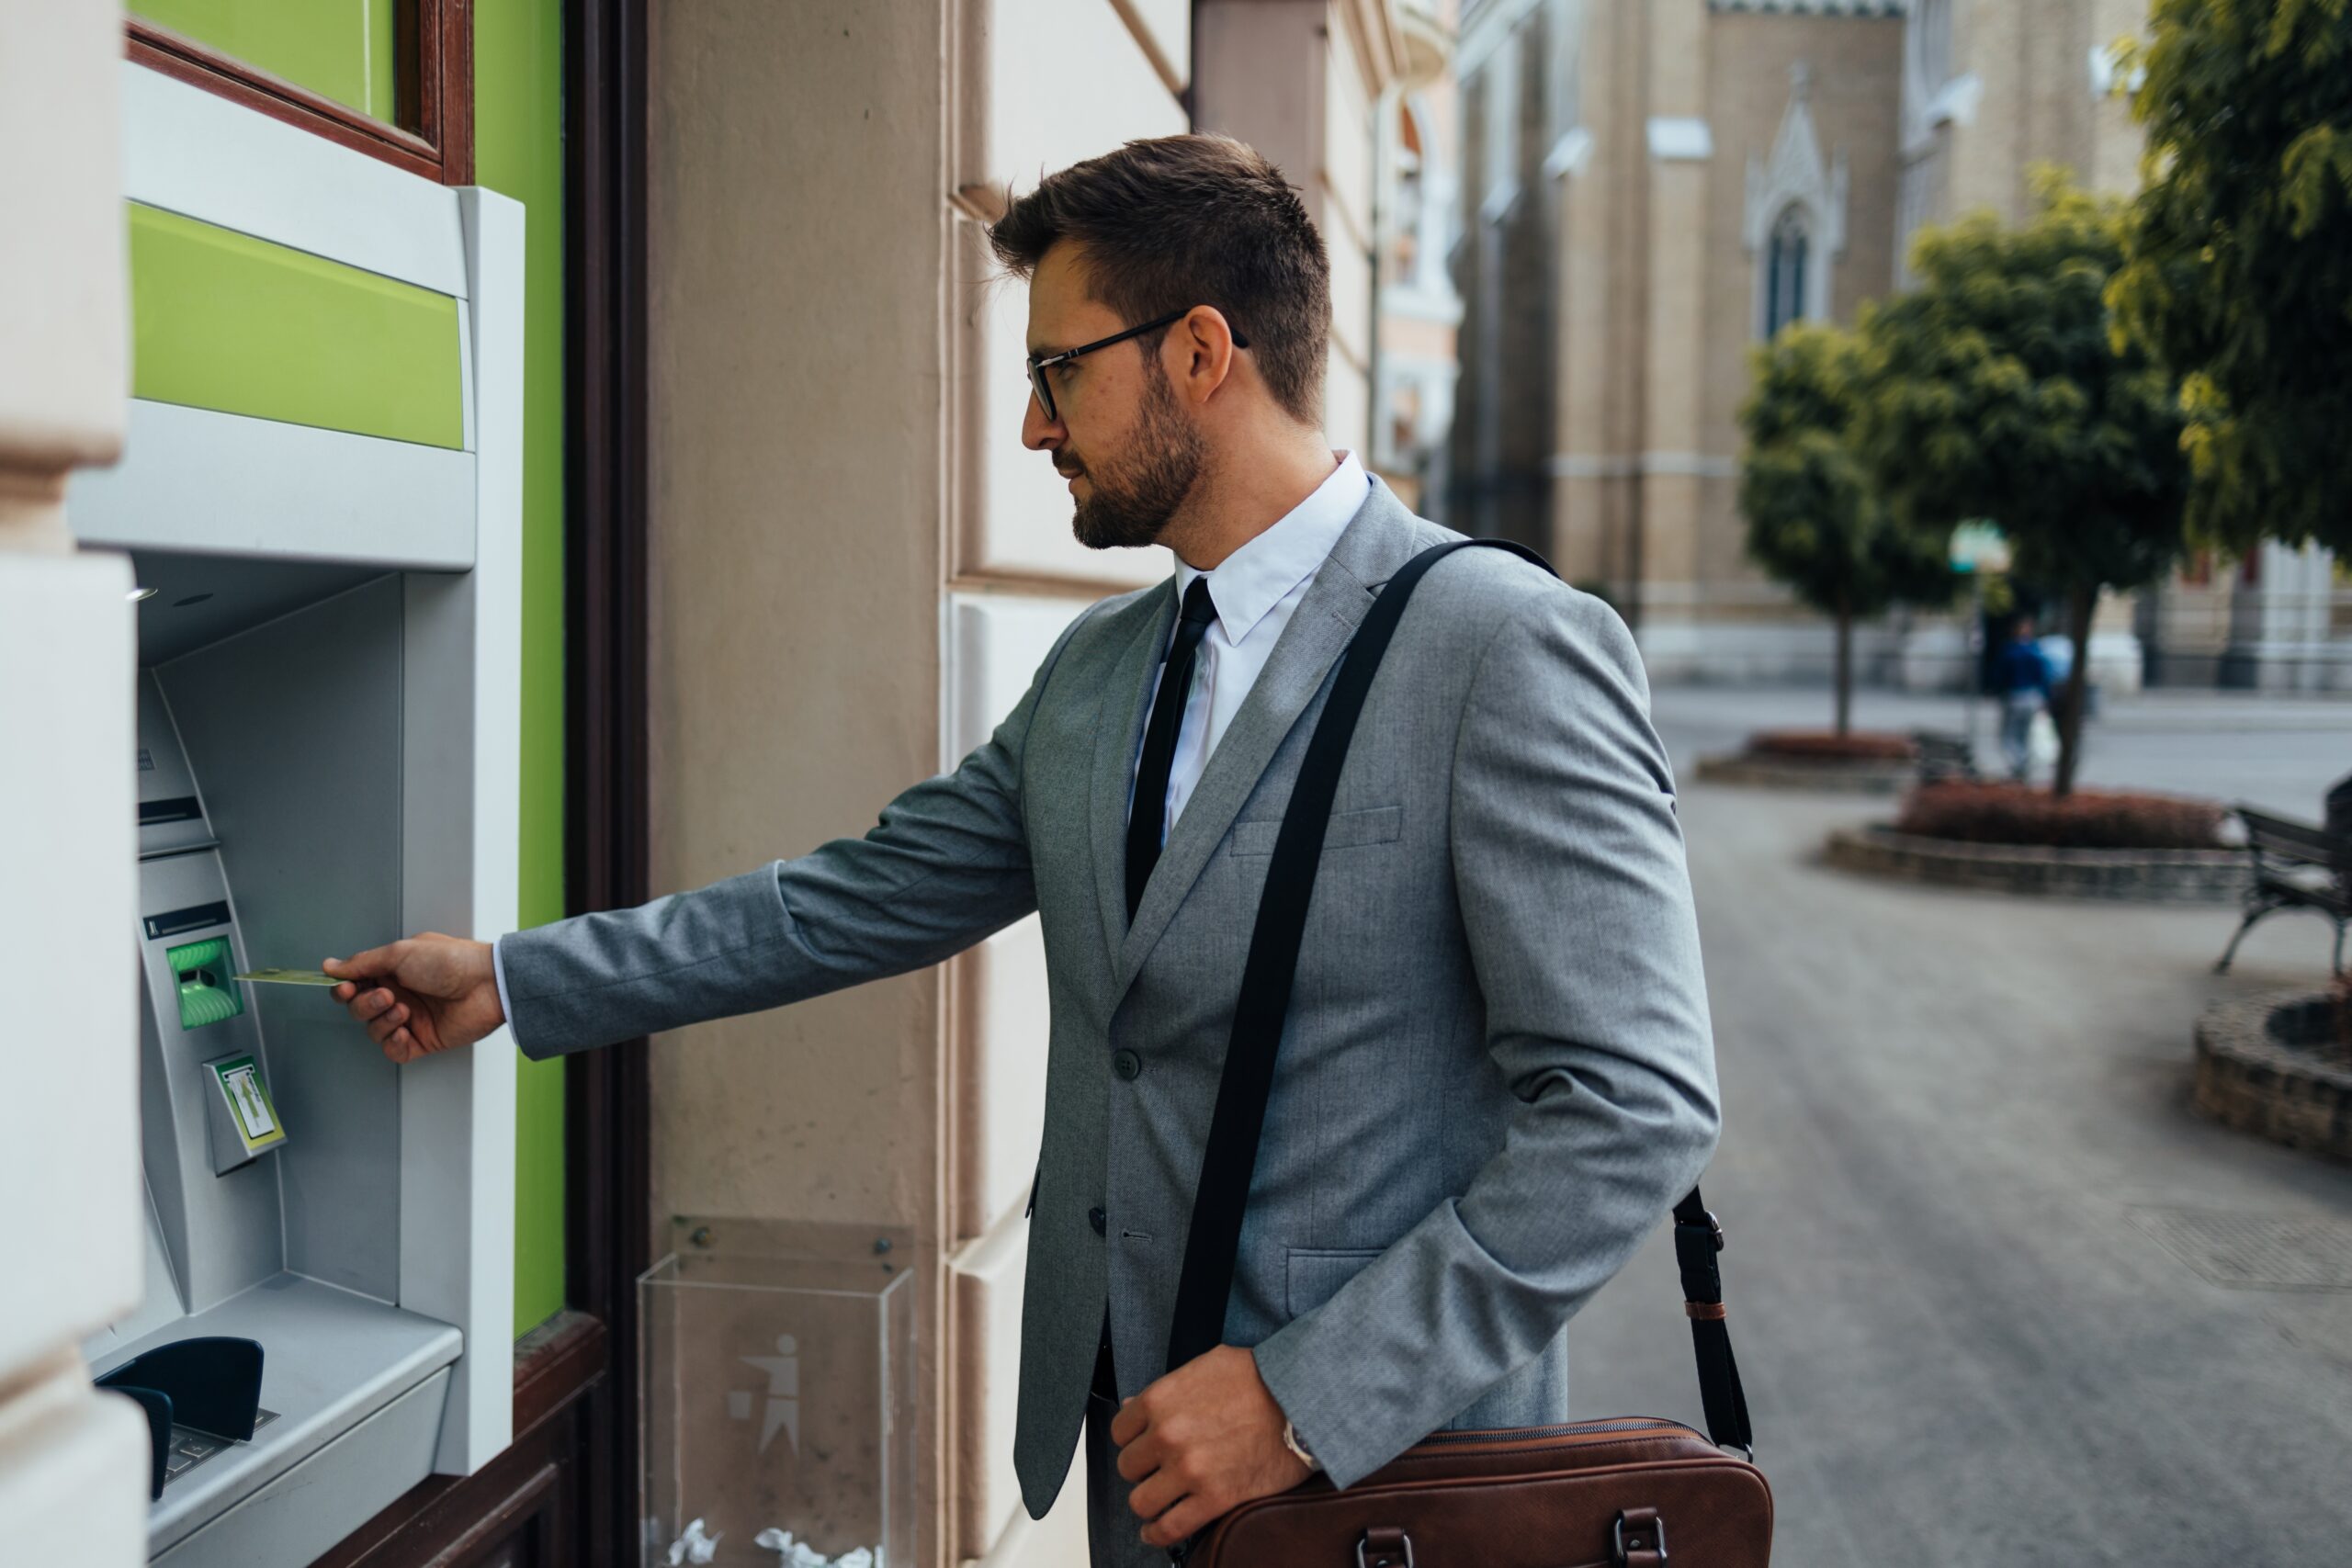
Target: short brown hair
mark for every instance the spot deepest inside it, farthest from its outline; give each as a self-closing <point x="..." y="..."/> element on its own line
<point x="1183" y="221"/>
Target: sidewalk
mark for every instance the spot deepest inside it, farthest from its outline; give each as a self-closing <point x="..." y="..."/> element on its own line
<point x="1957" y="1133"/>
<point x="2275" y="751"/>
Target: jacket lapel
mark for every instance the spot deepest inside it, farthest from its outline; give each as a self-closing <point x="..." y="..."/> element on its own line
<point x="1118" y="730"/>
<point x="1376" y="542"/>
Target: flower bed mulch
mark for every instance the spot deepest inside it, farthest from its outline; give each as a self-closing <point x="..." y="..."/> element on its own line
<point x="1828" y="745"/>
<point x="2085" y="819"/>
<point x="1865" y="762"/>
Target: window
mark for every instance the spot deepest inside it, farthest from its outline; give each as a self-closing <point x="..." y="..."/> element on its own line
<point x="1934" y="25"/>
<point x="390" y="78"/>
<point x="1784" y="268"/>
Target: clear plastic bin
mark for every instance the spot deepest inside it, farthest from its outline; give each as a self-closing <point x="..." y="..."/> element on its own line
<point x="778" y="1369"/>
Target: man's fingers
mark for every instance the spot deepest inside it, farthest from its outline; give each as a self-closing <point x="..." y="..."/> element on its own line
<point x="1179" y="1522"/>
<point x="1157" y="1494"/>
<point x="1129" y="1423"/>
<point x="1140" y="1458"/>
<point x="386" y="1025"/>
<point x="371" y="964"/>
<point x="372" y="1004"/>
<point x="402" y="1047"/>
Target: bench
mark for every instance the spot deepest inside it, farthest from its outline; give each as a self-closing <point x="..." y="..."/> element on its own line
<point x="1943" y="755"/>
<point x="2297" y="865"/>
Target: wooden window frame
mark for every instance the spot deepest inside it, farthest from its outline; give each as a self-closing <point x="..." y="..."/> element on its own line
<point x="434" y="90"/>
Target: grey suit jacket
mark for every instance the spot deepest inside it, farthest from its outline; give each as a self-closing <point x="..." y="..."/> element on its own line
<point x="1497" y="1074"/>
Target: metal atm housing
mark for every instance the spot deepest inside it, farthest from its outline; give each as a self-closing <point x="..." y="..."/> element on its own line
<point x="328" y="732"/>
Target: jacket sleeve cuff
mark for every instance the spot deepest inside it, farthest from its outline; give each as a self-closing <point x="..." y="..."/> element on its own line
<point x="1349" y="1444"/>
<point x="505" y="1008"/>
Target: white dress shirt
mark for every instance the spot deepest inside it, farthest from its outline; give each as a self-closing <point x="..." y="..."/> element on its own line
<point x="1255" y="589"/>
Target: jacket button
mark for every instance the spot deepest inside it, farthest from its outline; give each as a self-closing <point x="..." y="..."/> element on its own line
<point x="1100" y="1221"/>
<point x="1127" y="1065"/>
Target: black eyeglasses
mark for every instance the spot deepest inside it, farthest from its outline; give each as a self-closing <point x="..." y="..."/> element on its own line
<point x="1037" y="366"/>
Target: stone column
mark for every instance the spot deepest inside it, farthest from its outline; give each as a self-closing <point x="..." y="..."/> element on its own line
<point x="73" y="1462"/>
<point x="1681" y="149"/>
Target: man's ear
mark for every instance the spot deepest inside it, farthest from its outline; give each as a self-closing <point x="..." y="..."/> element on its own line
<point x="1203" y="361"/>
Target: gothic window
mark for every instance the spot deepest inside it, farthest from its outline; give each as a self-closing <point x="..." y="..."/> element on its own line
<point x="1934" y="22"/>
<point x="1786" y="258"/>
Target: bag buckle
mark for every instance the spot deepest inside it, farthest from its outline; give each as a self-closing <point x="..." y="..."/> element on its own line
<point x="1392" y="1542"/>
<point x="1620" y="1547"/>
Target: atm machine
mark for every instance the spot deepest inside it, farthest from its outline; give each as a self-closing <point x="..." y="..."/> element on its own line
<point x="328" y="729"/>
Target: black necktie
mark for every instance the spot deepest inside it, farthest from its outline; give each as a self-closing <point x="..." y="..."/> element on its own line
<point x="1148" y="813"/>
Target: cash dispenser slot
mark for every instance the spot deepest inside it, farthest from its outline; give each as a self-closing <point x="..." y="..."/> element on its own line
<point x="289" y="1396"/>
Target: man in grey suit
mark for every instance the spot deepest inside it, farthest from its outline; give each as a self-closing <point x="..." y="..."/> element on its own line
<point x="1497" y="1073"/>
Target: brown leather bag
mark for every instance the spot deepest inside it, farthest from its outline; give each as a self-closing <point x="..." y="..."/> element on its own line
<point x="1617" y="1492"/>
<point x="1621" y="1492"/>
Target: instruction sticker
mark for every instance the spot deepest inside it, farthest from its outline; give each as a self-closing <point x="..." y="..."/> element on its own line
<point x="247" y="1096"/>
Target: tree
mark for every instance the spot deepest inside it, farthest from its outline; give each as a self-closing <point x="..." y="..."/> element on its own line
<point x="2238" y="263"/>
<point x="1815" y="520"/>
<point x="1995" y="390"/>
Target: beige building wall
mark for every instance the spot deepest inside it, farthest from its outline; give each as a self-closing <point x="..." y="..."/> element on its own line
<point x="856" y="568"/>
<point x="1671" y="135"/>
<point x="1842" y="75"/>
<point x="72" y="1463"/>
<point x="1299" y="80"/>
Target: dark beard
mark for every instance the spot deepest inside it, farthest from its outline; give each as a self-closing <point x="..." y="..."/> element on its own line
<point x="1133" y="499"/>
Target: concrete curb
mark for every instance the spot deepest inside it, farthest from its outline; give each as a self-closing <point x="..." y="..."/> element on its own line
<point x="2147" y="877"/>
<point x="2264" y="1067"/>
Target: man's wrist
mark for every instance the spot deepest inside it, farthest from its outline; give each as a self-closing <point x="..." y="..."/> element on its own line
<point x="498" y="977"/>
<point x="1290" y="1441"/>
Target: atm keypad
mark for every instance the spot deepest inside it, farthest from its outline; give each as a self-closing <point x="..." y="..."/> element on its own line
<point x="191" y="1448"/>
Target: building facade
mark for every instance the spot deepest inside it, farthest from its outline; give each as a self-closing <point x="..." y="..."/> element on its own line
<point x="1651" y="187"/>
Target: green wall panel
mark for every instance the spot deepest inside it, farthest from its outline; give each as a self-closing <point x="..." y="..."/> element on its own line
<point x="518" y="151"/>
<point x="224" y="321"/>
<point x="342" y="49"/>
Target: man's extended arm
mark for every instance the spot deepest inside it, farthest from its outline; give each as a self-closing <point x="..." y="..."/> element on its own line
<point x="1568" y="862"/>
<point x="947" y="864"/>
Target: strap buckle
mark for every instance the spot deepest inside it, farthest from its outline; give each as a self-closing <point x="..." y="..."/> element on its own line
<point x="1620" y="1547"/>
<point x="1715" y="1228"/>
<point x="1385" y="1559"/>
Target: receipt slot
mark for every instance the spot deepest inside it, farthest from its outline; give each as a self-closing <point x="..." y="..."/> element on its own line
<point x="328" y="728"/>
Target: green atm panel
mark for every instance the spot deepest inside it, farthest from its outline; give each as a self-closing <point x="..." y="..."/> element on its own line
<point x="207" y="993"/>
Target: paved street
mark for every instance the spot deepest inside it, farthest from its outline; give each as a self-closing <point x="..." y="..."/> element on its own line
<point x="1957" y="1134"/>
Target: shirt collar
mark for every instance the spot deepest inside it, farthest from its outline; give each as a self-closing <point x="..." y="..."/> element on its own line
<point x="1255" y="578"/>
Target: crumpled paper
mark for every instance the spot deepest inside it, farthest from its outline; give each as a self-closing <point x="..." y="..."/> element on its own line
<point x="694" y="1546"/>
<point x="801" y="1554"/>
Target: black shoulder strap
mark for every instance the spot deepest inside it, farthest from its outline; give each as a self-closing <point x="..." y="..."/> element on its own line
<point x="1231" y="1156"/>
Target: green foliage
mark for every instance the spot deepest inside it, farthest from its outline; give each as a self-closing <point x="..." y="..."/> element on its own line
<point x="2239" y="266"/>
<point x="1994" y="390"/>
<point x="1999" y="389"/>
<point x="1814" y="519"/>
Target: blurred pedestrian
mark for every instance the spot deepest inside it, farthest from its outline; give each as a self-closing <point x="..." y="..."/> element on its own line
<point x="2022" y="676"/>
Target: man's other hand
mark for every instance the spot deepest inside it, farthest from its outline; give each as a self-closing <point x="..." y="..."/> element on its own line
<point x="1200" y="1443"/>
<point x="430" y="993"/>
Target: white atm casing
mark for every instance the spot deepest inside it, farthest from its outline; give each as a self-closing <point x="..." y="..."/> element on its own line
<point x="333" y="654"/>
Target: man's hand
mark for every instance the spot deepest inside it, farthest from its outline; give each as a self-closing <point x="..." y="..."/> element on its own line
<point x="1200" y="1443"/>
<point x="433" y="993"/>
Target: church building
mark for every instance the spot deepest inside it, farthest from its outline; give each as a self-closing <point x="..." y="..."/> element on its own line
<point x="1650" y="188"/>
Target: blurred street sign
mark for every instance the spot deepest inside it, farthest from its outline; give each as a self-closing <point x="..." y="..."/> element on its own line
<point x="1979" y="547"/>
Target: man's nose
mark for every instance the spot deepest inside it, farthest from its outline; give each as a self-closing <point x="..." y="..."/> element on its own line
<point x="1038" y="433"/>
